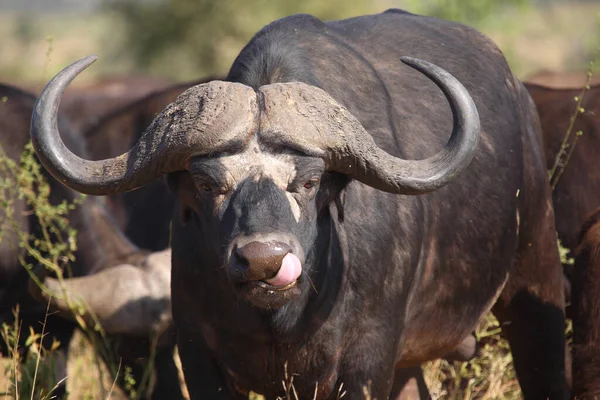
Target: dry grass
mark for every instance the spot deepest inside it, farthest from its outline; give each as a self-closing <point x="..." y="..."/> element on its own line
<point x="84" y="379"/>
<point x="489" y="376"/>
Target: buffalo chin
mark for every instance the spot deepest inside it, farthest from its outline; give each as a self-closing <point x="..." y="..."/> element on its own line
<point x="266" y="296"/>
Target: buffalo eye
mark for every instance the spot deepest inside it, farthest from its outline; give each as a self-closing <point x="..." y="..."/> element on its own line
<point x="308" y="185"/>
<point x="210" y="188"/>
<point x="205" y="186"/>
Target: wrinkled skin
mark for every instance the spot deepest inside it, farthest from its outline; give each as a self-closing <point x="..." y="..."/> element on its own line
<point x="575" y="197"/>
<point x="100" y="243"/>
<point x="387" y="281"/>
<point x="144" y="214"/>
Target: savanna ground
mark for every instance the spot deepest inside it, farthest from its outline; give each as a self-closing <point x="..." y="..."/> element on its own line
<point x="34" y="46"/>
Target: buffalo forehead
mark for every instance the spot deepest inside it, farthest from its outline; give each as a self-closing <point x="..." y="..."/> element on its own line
<point x="221" y="116"/>
<point x="255" y="164"/>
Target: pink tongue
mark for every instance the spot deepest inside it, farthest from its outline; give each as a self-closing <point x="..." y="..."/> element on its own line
<point x="288" y="273"/>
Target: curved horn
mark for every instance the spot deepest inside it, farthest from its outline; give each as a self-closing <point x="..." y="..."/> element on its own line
<point x="201" y="118"/>
<point x="125" y="299"/>
<point x="307" y="118"/>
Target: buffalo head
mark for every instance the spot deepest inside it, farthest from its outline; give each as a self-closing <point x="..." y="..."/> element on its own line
<point x="253" y="169"/>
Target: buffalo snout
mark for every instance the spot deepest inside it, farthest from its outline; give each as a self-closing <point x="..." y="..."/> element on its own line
<point x="277" y="263"/>
<point x="263" y="260"/>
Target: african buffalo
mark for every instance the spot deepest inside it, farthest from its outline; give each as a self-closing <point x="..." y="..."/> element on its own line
<point x="574" y="195"/>
<point x="577" y="195"/>
<point x="306" y="241"/>
<point x="100" y="244"/>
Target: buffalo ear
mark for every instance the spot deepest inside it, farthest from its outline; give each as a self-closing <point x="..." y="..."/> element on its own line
<point x="332" y="190"/>
<point x="174" y="180"/>
<point x="339" y="203"/>
<point x="183" y="187"/>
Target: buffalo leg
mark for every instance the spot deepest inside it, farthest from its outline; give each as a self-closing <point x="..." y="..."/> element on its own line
<point x="201" y="376"/>
<point x="409" y="384"/>
<point x="167" y="377"/>
<point x="586" y="314"/>
<point x="531" y="312"/>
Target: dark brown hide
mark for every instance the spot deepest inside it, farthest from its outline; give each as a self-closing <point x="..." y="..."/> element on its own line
<point x="586" y="311"/>
<point x="576" y="195"/>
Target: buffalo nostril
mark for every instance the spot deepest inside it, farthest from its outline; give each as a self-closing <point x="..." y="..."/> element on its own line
<point x="263" y="259"/>
<point x="239" y="257"/>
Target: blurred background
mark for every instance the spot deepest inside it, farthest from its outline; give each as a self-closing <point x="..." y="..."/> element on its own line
<point x="160" y="42"/>
<point x="189" y="39"/>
